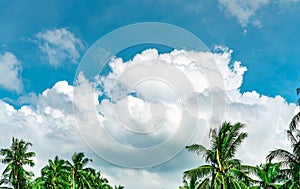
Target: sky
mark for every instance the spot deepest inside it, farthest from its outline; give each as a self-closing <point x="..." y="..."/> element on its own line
<point x="145" y="102"/>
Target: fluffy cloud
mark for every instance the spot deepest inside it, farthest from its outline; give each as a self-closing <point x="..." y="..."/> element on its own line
<point x="242" y="10"/>
<point x="10" y="67"/>
<point x="49" y="119"/>
<point x="123" y="108"/>
<point x="245" y="11"/>
<point x="251" y="108"/>
<point x="59" y="45"/>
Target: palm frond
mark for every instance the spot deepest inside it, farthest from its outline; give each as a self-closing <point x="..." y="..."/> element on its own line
<point x="200" y="150"/>
<point x="295" y="122"/>
<point x="281" y="155"/>
<point x="199" y="172"/>
<point x="233" y="147"/>
<point x="205" y="184"/>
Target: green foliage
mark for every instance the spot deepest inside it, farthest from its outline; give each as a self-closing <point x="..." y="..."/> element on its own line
<point x="290" y="160"/>
<point x="16" y="157"/>
<point x="54" y="175"/>
<point x="270" y="175"/>
<point x="195" y="183"/>
<point x="57" y="174"/>
<point x="223" y="170"/>
<point x="71" y="175"/>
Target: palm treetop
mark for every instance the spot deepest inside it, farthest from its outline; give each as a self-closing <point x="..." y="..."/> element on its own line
<point x="16" y="157"/>
<point x="223" y="169"/>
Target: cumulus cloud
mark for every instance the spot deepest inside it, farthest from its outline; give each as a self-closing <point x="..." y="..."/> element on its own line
<point x="121" y="107"/>
<point x="10" y="68"/>
<point x="60" y="45"/>
<point x="251" y="108"/>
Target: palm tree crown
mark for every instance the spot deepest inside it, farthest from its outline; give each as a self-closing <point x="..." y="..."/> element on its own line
<point x="79" y="172"/>
<point x="54" y="175"/>
<point x="291" y="160"/>
<point x="222" y="170"/>
<point x="16" y="157"/>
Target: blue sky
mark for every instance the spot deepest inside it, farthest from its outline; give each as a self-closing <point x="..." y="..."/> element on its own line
<point x="263" y="35"/>
<point x="268" y="51"/>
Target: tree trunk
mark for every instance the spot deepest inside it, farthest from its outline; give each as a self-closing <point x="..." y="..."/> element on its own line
<point x="18" y="182"/>
<point x="212" y="180"/>
<point x="73" y="182"/>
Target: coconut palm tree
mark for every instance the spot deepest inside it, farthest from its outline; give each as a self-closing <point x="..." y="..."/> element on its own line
<point x="55" y="175"/>
<point x="291" y="160"/>
<point x="96" y="180"/>
<point x="16" y="157"/>
<point x="270" y="176"/>
<point x="223" y="170"/>
<point x="193" y="183"/>
<point x="80" y="178"/>
<point x="5" y="182"/>
<point x="118" y="187"/>
<point x="86" y="177"/>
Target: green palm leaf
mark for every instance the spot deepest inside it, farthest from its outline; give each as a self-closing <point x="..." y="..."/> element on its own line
<point x="223" y="170"/>
<point x="16" y="157"/>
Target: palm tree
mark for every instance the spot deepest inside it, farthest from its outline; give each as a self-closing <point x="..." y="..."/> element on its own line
<point x="193" y="183"/>
<point x="291" y="160"/>
<point x="119" y="187"/>
<point x="97" y="181"/>
<point x="63" y="174"/>
<point x="223" y="170"/>
<point x="83" y="177"/>
<point x="270" y="176"/>
<point x="5" y="182"/>
<point x="80" y="178"/>
<point x="54" y="175"/>
<point x="17" y="157"/>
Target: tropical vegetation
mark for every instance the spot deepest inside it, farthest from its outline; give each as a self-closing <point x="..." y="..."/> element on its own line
<point x="222" y="170"/>
<point x="58" y="174"/>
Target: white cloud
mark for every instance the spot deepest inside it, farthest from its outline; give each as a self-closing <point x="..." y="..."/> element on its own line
<point x="143" y="178"/>
<point x="246" y="11"/>
<point x="51" y="126"/>
<point x="10" y="68"/>
<point x="60" y="45"/>
<point x="242" y="10"/>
